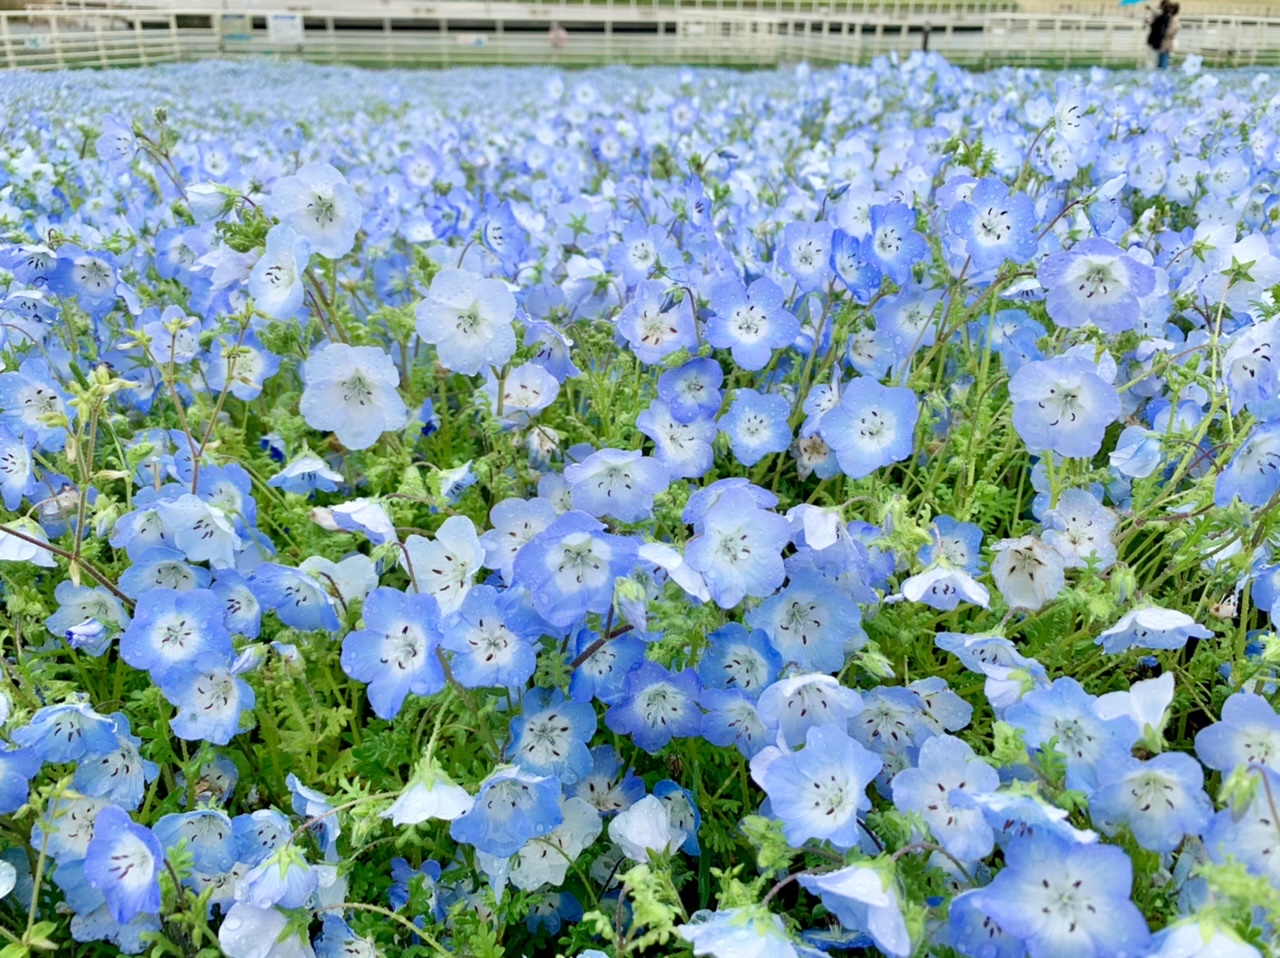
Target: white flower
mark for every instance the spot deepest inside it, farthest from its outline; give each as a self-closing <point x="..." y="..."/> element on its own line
<point x="645" y="827"/>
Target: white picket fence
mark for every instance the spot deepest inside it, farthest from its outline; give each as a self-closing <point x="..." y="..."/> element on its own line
<point x="449" y="32"/>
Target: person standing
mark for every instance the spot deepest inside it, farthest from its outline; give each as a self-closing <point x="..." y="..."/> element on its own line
<point x="1163" y="28"/>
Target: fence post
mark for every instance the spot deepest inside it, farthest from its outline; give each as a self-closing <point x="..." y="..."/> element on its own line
<point x="102" y="44"/>
<point x="4" y="39"/>
<point x="56" y="39"/>
<point x="142" y="47"/>
<point x="173" y="36"/>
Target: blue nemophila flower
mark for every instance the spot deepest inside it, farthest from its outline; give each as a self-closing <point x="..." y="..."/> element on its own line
<point x="603" y="675"/>
<point x="261" y="832"/>
<point x="811" y="623"/>
<point x="120" y="776"/>
<point x="1064" y="899"/>
<point x="1020" y="813"/>
<point x="338" y="940"/>
<point x="805" y="253"/>
<point x="395" y="653"/>
<point x="78" y="605"/>
<point x="864" y="901"/>
<point x="318" y="202"/>
<point x="944" y="588"/>
<point x="738" y="658"/>
<point x="122" y="862"/>
<point x="756" y="424"/>
<point x="13" y="549"/>
<point x="306" y="474"/>
<point x="207" y="834"/>
<point x="739" y="549"/>
<point x="92" y="277"/>
<point x="18" y="766"/>
<point x="1251" y="366"/>
<point x="367" y="517"/>
<point x="1253" y="473"/>
<point x="873" y="426"/>
<point x="242" y="613"/>
<point x="1079" y="527"/>
<point x="550" y="735"/>
<point x="1064" y="712"/>
<point x="469" y="321"/>
<point x="792" y="706"/>
<point x="553" y="349"/>
<point x="1095" y="281"/>
<point x="116" y="144"/>
<point x="730" y="718"/>
<point x="240" y="369"/>
<point x="202" y="532"/>
<point x="501" y="233"/>
<point x="284" y="878"/>
<point x="443" y="567"/>
<point x="491" y="636"/>
<point x="972" y="932"/>
<point x="692" y="391"/>
<point x="683" y="448"/>
<point x="1160" y="800"/>
<point x="1247" y="734"/>
<point x="658" y="706"/>
<point x="820" y="791"/>
<point x="608" y="787"/>
<point x="946" y="765"/>
<point x="856" y="268"/>
<point x="511" y="808"/>
<point x="513" y="522"/>
<point x="737" y="933"/>
<point x="751" y="322"/>
<point x="17" y="475"/>
<point x="616" y="482"/>
<point x="430" y="793"/>
<point x="682" y="812"/>
<point x="1151" y="628"/>
<point x="1062" y="405"/>
<point x="994" y="225"/>
<point x="32" y="402"/>
<point x="551" y="911"/>
<point x="298" y="600"/>
<point x="210" y="697"/>
<point x="646" y="828"/>
<point x="353" y="392"/>
<point x="1027" y="572"/>
<point x="275" y="283"/>
<point x="403" y="874"/>
<point x="526" y="391"/>
<point x="67" y="733"/>
<point x="570" y="567"/>
<point x="313" y="805"/>
<point x="655" y="332"/>
<point x="646" y="249"/>
<point x="1200" y="937"/>
<point x="958" y="543"/>
<point x="894" y="245"/>
<point x="171" y="630"/>
<point x="66" y="826"/>
<point x="1247" y="832"/>
<point x="249" y="932"/>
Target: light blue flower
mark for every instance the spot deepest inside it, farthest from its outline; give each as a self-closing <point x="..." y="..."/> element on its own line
<point x="353" y="391"/>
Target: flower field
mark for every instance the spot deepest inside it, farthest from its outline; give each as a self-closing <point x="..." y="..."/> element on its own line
<point x="639" y="512"/>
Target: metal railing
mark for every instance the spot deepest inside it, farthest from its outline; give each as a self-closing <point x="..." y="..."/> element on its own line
<point x="960" y="9"/>
<point x="940" y="9"/>
<point x="475" y="31"/>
